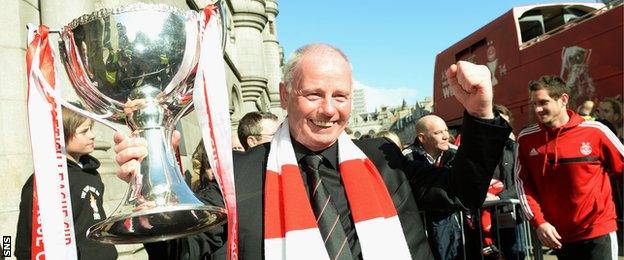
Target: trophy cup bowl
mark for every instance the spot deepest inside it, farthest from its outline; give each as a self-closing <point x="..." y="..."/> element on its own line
<point x="135" y="65"/>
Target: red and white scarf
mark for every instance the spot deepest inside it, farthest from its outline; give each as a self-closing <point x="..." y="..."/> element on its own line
<point x="290" y="229"/>
<point x="53" y="224"/>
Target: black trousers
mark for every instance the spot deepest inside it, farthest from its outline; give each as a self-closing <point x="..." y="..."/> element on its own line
<point x="600" y="248"/>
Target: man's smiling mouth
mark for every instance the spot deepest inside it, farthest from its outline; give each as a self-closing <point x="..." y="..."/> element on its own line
<point x="322" y="124"/>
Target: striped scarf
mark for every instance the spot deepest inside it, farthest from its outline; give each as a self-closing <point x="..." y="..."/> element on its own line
<point x="290" y="228"/>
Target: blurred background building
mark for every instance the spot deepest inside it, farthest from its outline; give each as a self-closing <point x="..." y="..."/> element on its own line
<point x="399" y="119"/>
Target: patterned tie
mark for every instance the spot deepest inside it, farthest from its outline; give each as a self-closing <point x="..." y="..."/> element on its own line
<point x="327" y="217"/>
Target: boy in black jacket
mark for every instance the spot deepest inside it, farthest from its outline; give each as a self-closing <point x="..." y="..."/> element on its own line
<point x="86" y="189"/>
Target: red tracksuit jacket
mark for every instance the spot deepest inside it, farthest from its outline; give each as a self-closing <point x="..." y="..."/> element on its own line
<point x="563" y="177"/>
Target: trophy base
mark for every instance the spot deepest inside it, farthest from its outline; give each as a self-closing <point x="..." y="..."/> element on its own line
<point x="149" y="225"/>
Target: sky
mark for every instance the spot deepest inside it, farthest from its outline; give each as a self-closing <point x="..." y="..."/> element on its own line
<point x="391" y="44"/>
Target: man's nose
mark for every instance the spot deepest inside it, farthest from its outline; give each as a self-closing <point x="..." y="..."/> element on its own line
<point x="538" y="109"/>
<point x="328" y="107"/>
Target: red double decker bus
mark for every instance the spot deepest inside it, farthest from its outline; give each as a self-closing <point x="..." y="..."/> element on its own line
<point x="580" y="42"/>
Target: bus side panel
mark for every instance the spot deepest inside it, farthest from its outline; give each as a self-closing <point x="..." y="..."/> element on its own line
<point x="588" y="56"/>
<point x="494" y="45"/>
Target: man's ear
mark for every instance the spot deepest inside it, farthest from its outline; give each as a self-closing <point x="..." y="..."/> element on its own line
<point x="283" y="95"/>
<point x="251" y="141"/>
<point x="564" y="99"/>
<point x="421" y="138"/>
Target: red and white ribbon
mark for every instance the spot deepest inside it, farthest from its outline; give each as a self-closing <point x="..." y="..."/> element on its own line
<point x="48" y="151"/>
<point x="36" y="243"/>
<point x="210" y="97"/>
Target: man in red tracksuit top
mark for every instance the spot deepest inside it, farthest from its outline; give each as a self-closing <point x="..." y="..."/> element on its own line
<point x="563" y="185"/>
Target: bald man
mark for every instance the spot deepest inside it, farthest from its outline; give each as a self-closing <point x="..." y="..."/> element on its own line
<point x="432" y="140"/>
<point x="432" y="146"/>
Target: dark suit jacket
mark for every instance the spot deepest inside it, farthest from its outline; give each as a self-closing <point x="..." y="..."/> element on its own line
<point x="464" y="186"/>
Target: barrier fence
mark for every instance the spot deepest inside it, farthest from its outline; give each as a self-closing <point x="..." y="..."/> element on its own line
<point x="506" y="219"/>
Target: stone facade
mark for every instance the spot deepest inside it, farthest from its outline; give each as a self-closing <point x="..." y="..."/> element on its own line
<point x="359" y="102"/>
<point x="396" y="119"/>
<point x="405" y="126"/>
<point x="253" y="57"/>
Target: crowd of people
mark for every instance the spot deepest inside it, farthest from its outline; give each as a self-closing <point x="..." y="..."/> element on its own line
<point x="359" y="199"/>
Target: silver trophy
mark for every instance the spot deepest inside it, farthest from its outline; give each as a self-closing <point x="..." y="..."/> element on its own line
<point x="136" y="65"/>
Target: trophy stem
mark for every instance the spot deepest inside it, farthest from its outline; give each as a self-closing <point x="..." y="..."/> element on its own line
<point x="158" y="205"/>
<point x="158" y="168"/>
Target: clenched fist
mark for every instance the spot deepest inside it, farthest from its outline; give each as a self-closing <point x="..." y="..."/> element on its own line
<point x="472" y="86"/>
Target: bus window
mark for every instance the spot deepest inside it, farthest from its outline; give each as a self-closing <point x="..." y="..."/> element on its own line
<point x="548" y="19"/>
<point x="574" y="14"/>
<point x="553" y="17"/>
<point x="531" y="24"/>
<point x="468" y="54"/>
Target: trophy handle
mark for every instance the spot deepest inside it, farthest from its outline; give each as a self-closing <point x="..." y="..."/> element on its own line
<point x="99" y="118"/>
<point x="96" y="117"/>
<point x="220" y="4"/>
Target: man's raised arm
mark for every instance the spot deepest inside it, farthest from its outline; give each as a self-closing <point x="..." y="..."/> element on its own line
<point x="483" y="138"/>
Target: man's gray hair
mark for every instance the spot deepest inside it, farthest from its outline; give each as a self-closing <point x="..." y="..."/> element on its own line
<point x="291" y="66"/>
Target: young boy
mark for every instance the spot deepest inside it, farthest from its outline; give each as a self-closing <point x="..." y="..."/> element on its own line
<point x="86" y="189"/>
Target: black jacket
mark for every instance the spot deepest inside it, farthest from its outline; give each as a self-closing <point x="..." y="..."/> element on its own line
<point x="433" y="185"/>
<point x="87" y="192"/>
<point x="505" y="171"/>
<point x="415" y="152"/>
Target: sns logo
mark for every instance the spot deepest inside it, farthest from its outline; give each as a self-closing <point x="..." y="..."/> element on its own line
<point x="6" y="246"/>
<point x="585" y="148"/>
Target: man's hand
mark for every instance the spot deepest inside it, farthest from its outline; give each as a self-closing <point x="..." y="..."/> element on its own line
<point x="548" y="235"/>
<point x="131" y="151"/>
<point x="472" y="86"/>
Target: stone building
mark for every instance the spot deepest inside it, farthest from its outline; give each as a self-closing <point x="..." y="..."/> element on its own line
<point x="396" y="119"/>
<point x="359" y="102"/>
<point x="405" y="126"/>
<point x="253" y="58"/>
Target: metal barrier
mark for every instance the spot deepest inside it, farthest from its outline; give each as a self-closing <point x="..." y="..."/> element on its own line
<point x="529" y="250"/>
<point x="530" y="245"/>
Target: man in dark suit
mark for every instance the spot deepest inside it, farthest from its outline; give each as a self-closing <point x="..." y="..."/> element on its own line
<point x="316" y="92"/>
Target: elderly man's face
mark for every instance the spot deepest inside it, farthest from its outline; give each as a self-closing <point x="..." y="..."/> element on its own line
<point x="319" y="103"/>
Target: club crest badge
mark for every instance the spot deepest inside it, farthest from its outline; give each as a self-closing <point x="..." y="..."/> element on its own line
<point x="92" y="193"/>
<point x="585" y="148"/>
